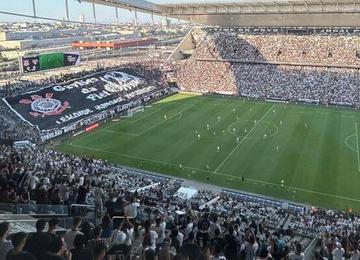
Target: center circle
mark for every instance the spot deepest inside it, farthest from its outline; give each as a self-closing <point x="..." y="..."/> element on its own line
<point x="260" y="130"/>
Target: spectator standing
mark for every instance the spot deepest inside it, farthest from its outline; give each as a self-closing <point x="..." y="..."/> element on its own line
<point x="231" y="245"/>
<point x="70" y="235"/>
<point x="5" y="245"/>
<point x="148" y="235"/>
<point x="87" y="230"/>
<point x="99" y="252"/>
<point x="159" y="228"/>
<point x="97" y="240"/>
<point x="131" y="208"/>
<point x="298" y="254"/>
<point x="338" y="252"/>
<point x="107" y="226"/>
<point x="18" y="240"/>
<point x="56" y="250"/>
<point x="53" y="225"/>
<point x="80" y="252"/>
<point x="38" y="242"/>
<point x="123" y="234"/>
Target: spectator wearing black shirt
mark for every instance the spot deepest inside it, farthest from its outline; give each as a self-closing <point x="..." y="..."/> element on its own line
<point x="202" y="236"/>
<point x="80" y="252"/>
<point x="232" y="245"/>
<point x="99" y="251"/>
<point x="38" y="242"/>
<point x="110" y="205"/>
<point x="81" y="197"/>
<point x="56" y="250"/>
<point x="119" y="206"/>
<point x="149" y="254"/>
<point x="18" y="240"/>
<point x="86" y="229"/>
<point x="53" y="225"/>
<point x="107" y="226"/>
<point x="190" y="249"/>
<point x="164" y="252"/>
<point x="217" y="243"/>
<point x="93" y="243"/>
<point x="264" y="254"/>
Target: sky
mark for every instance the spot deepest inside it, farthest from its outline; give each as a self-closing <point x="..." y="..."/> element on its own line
<point x="56" y="9"/>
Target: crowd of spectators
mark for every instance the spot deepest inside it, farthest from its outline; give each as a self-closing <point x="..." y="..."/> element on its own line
<point x="141" y="217"/>
<point x="274" y="67"/>
<point x="302" y="49"/>
<point x="138" y="215"/>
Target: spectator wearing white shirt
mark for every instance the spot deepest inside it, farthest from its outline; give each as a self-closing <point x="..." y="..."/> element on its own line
<point x="33" y="181"/>
<point x="159" y="228"/>
<point x="70" y="235"/>
<point x="190" y="227"/>
<point x="338" y="252"/>
<point x="64" y="191"/>
<point x="148" y="236"/>
<point x="298" y="255"/>
<point x="177" y="238"/>
<point x="123" y="234"/>
<point x="81" y="180"/>
<point x="131" y="209"/>
<point x="46" y="182"/>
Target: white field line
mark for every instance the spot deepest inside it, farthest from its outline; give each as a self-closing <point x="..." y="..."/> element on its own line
<point x="325" y="111"/>
<point x="84" y="136"/>
<point x="222" y="174"/>
<point x="104" y="129"/>
<point x="242" y="140"/>
<point x="349" y="146"/>
<point x="128" y="119"/>
<point x="316" y="113"/>
<point x="118" y="132"/>
<point x="357" y="146"/>
<point x="130" y="134"/>
<point x="150" y="128"/>
<point x="143" y="117"/>
<point x="162" y="122"/>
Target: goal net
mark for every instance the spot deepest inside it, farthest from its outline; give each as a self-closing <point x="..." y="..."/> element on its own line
<point x="132" y="111"/>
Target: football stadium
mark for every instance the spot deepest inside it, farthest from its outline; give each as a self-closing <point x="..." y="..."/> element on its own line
<point x="230" y="134"/>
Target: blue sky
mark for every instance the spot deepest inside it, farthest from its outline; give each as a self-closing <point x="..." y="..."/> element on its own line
<point x="56" y="9"/>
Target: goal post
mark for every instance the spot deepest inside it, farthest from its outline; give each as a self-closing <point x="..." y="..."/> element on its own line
<point x="132" y="111"/>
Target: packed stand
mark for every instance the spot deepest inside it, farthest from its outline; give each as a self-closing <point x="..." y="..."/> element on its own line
<point x="274" y="67"/>
<point x="148" y="223"/>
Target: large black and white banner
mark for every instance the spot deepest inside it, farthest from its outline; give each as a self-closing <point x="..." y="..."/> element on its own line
<point x="62" y="107"/>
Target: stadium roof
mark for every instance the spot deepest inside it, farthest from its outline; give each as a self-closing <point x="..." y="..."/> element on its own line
<point x="141" y="5"/>
<point x="323" y="13"/>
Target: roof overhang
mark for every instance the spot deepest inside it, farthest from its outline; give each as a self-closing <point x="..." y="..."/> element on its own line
<point x="268" y="13"/>
<point x="315" y="13"/>
<point x="140" y="5"/>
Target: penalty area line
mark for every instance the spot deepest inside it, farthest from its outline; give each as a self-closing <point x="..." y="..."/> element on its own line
<point x="168" y="119"/>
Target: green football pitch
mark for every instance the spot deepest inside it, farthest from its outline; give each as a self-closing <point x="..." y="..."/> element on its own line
<point x="303" y="153"/>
